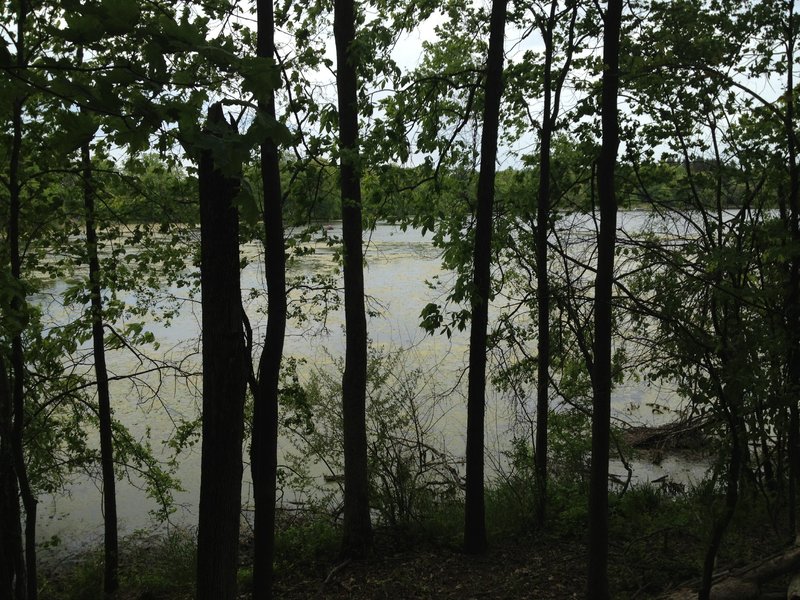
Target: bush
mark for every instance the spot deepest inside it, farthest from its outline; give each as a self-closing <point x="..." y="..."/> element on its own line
<point x="410" y="471"/>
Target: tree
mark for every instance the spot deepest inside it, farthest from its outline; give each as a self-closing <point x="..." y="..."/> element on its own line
<point x="474" y="511"/>
<point x="357" y="534"/>
<point x="597" y="580"/>
<point x="552" y="105"/>
<point x="17" y="312"/>
<point x="12" y="565"/>
<point x="264" y="452"/>
<point x="224" y="367"/>
<point x="110" y="543"/>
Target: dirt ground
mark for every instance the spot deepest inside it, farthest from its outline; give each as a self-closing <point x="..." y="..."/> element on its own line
<point x="511" y="569"/>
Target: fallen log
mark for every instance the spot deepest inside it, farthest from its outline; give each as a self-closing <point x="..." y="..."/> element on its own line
<point x="678" y="435"/>
<point x="745" y="582"/>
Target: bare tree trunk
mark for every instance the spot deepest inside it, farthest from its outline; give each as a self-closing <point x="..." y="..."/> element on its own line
<point x="597" y="581"/>
<point x="793" y="284"/>
<point x="357" y="534"/>
<point x="474" y="509"/>
<point x="110" y="545"/>
<point x="264" y="450"/>
<point x="225" y="371"/>
<point x="12" y="559"/>
<point x="552" y="106"/>
<point x="542" y="279"/>
<point x="18" y="308"/>
<point x="731" y="499"/>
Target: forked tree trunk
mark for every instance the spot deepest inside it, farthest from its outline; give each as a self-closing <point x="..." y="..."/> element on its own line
<point x="552" y="102"/>
<point x="597" y="580"/>
<point x="224" y="376"/>
<point x="264" y="450"/>
<point x="474" y="509"/>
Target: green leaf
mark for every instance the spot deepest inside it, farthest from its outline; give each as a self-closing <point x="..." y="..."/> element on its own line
<point x="247" y="202"/>
<point x="261" y="75"/>
<point x="74" y="130"/>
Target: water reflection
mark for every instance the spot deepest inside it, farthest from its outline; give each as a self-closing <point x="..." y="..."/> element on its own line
<point x="398" y="264"/>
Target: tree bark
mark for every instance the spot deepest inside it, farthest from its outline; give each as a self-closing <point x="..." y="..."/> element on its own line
<point x="110" y="544"/>
<point x="731" y="499"/>
<point x="597" y="581"/>
<point x="27" y="585"/>
<point x="474" y="509"/>
<point x="792" y="309"/>
<point x="357" y="534"/>
<point x="224" y="377"/>
<point x="12" y="560"/>
<point x="264" y="450"/>
<point x="542" y="279"/>
<point x="552" y="106"/>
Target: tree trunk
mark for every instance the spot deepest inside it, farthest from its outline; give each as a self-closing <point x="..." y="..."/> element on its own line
<point x="110" y="544"/>
<point x="597" y="581"/>
<point x="12" y="560"/>
<point x="542" y="279"/>
<point x="224" y="377"/>
<point x="264" y="450"/>
<point x="731" y="499"/>
<point x="357" y="534"/>
<point x="18" y="309"/>
<point x="474" y="510"/>
<point x="792" y="308"/>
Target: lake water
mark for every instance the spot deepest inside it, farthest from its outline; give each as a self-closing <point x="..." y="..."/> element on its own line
<point x="398" y="265"/>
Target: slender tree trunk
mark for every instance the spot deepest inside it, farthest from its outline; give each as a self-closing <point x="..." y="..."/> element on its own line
<point x="794" y="456"/>
<point x="111" y="546"/>
<point x="793" y="284"/>
<point x="731" y="499"/>
<point x="19" y="309"/>
<point x="264" y="451"/>
<point x="224" y="377"/>
<point x="357" y="535"/>
<point x="12" y="559"/>
<point x="542" y="279"/>
<point x="597" y="581"/>
<point x="474" y="509"/>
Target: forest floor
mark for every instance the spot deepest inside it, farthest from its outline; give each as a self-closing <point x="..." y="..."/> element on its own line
<point x="548" y="568"/>
<point x="546" y="565"/>
<point x="512" y="568"/>
<point x="657" y="542"/>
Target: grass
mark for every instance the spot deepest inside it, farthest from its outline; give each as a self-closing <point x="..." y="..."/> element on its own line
<point x="658" y="539"/>
<point x="151" y="568"/>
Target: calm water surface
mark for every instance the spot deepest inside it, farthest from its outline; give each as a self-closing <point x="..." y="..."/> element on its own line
<point x="398" y="265"/>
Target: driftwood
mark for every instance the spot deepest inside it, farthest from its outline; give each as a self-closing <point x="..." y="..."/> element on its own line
<point x="745" y="583"/>
<point x="679" y="435"/>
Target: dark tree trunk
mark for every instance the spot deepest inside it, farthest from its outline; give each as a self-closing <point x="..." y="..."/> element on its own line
<point x="552" y="101"/>
<point x="731" y="499"/>
<point x="474" y="510"/>
<point x="597" y="581"/>
<point x="12" y="560"/>
<point x="264" y="451"/>
<point x="18" y="309"/>
<point x="794" y="455"/>
<point x="110" y="543"/>
<point x="542" y="279"/>
<point x="792" y="308"/>
<point x="29" y="501"/>
<point x="224" y="377"/>
<point x="357" y="534"/>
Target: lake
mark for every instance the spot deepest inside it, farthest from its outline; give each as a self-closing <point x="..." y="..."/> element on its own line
<point x="398" y="264"/>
